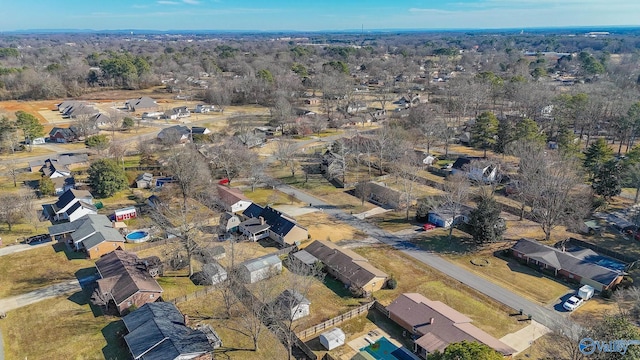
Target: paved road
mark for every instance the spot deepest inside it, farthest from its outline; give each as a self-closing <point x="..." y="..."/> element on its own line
<point x="12" y="249"/>
<point x="548" y="317"/>
<point x="18" y="301"/>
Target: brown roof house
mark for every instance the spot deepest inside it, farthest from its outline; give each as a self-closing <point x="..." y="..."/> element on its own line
<point x="380" y="194"/>
<point x="434" y="325"/>
<point x="350" y="268"/>
<point x="232" y="200"/>
<point x="125" y="282"/>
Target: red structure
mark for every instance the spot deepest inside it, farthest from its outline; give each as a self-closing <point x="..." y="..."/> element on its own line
<point x="125" y="214"/>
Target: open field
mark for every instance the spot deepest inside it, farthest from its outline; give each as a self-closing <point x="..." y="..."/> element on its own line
<point x="414" y="276"/>
<point x="29" y="270"/>
<point x="268" y="196"/>
<point x="236" y="346"/>
<point x="62" y="328"/>
<point x="323" y="227"/>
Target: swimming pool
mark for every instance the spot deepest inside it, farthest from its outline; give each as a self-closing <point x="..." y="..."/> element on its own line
<point x="383" y="349"/>
<point x="137" y="236"/>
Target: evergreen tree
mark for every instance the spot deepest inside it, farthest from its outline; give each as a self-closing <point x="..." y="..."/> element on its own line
<point x="466" y="350"/>
<point x="606" y="180"/>
<point x="46" y="186"/>
<point x="596" y="156"/>
<point x="484" y="131"/>
<point x="485" y="222"/>
<point x="107" y="178"/>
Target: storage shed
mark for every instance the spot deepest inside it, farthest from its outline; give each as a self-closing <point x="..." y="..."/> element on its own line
<point x="332" y="338"/>
<point x="125" y="213"/>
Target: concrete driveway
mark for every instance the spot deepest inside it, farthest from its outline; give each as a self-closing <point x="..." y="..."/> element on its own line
<point x="547" y="317"/>
<point x="12" y="249"/>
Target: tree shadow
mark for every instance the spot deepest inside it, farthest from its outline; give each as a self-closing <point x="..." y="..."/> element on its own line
<point x="116" y="347"/>
<point x="442" y="245"/>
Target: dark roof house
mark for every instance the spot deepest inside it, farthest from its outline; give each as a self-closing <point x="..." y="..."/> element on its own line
<point x="268" y="222"/>
<point x="144" y="103"/>
<point x="158" y="331"/>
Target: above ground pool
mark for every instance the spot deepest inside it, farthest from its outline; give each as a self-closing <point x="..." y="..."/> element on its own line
<point x="137" y="236"/>
<point x="383" y="349"/>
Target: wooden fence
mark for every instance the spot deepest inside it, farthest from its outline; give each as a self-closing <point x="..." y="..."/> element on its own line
<point x="193" y="295"/>
<point x="335" y="321"/>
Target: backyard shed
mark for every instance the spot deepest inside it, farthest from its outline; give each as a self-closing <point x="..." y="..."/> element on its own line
<point x="332" y="338"/>
<point x="125" y="213"/>
<point x="261" y="268"/>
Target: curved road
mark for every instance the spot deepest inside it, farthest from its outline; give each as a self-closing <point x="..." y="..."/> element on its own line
<point x="548" y="317"/>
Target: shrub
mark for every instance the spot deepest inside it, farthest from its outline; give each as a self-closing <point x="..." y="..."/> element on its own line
<point x="606" y="293"/>
<point x="392" y="283"/>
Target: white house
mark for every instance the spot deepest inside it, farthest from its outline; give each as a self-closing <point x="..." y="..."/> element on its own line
<point x="446" y="217"/>
<point x="294" y="302"/>
<point x="476" y="169"/>
<point x="429" y="160"/>
<point x="232" y="200"/>
<point x="71" y="205"/>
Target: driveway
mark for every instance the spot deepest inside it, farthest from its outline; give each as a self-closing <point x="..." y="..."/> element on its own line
<point x="12" y="249"/>
<point x="18" y="301"/>
<point x="547" y="317"/>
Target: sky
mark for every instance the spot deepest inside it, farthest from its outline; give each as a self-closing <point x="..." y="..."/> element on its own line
<point x="314" y="15"/>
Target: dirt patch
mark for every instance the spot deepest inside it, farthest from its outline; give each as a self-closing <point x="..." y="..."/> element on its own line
<point x="32" y="107"/>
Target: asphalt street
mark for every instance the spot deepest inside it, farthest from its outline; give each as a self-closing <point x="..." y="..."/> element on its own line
<point x="548" y="317"/>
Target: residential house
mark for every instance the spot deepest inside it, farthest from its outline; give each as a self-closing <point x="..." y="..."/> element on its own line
<point x="71" y="205"/>
<point x="229" y="222"/>
<point x="261" y="268"/>
<point x="355" y="107"/>
<point x="476" y="169"/>
<point x="446" y="217"/>
<point x="52" y="169"/>
<point x="198" y="130"/>
<point x="353" y="270"/>
<point x="268" y="222"/>
<point x="232" y="200"/>
<point x="62" y="135"/>
<point x="144" y="181"/>
<point x="125" y="281"/>
<point x="293" y="303"/>
<point x="408" y="101"/>
<point x="100" y="119"/>
<point x="581" y="265"/>
<point x="175" y="134"/>
<point x="178" y="113"/>
<point x="380" y="194"/>
<point x="433" y="325"/>
<point x="67" y="160"/>
<point x="142" y="104"/>
<point x="159" y="331"/>
<point x="202" y="108"/>
<point x="93" y="234"/>
<point x="74" y="109"/>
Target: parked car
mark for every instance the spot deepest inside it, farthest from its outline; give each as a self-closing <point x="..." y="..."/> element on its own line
<point x="572" y="303"/>
<point x="427" y="227"/>
<point x="37" y="238"/>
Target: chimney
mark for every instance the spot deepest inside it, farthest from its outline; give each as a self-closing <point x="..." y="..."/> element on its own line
<point x="186" y="320"/>
<point x="261" y="220"/>
<point x="431" y="321"/>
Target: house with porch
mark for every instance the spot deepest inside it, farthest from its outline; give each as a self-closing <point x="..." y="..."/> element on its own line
<point x="353" y="270"/>
<point x="124" y="282"/>
<point x="433" y="325"/>
<point x="579" y="265"/>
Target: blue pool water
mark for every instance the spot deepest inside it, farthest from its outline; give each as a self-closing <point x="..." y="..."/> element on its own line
<point x="138" y="236"/>
<point x="383" y="349"/>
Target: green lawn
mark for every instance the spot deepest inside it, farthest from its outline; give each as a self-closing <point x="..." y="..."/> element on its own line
<point x="393" y="221"/>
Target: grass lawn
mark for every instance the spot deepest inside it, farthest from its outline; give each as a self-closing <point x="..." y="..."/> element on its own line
<point x="516" y="277"/>
<point x="62" y="328"/>
<point x="414" y="276"/>
<point x="236" y="346"/>
<point x="549" y="346"/>
<point x="322" y="227"/>
<point x="269" y="196"/>
<point x="19" y="231"/>
<point x="595" y="309"/>
<point x="32" y="269"/>
<point x="393" y="221"/>
<point x="35" y="151"/>
<point x="175" y="286"/>
<point x="437" y="240"/>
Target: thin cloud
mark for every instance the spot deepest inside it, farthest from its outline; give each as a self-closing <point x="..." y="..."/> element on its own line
<point x="165" y="2"/>
<point x="191" y="2"/>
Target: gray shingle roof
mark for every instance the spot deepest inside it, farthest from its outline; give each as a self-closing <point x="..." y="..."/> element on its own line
<point x="157" y="332"/>
<point x="560" y="260"/>
<point x="261" y="262"/>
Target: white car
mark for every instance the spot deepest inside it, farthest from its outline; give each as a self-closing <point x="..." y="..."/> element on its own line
<point x="572" y="303"/>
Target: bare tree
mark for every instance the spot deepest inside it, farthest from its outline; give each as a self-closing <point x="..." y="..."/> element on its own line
<point x="457" y="190"/>
<point x="12" y="169"/>
<point x="231" y="157"/>
<point x="114" y="121"/>
<point x="552" y="188"/>
<point x="12" y="209"/>
<point x="285" y="153"/>
<point x="84" y="125"/>
<point x="406" y="171"/>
